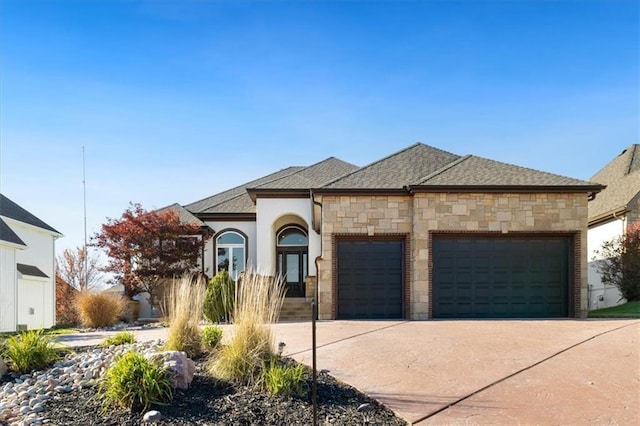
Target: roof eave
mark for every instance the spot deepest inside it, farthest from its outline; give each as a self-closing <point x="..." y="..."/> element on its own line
<point x="607" y="216"/>
<point x="226" y="217"/>
<point x="12" y="244"/>
<point x="505" y="188"/>
<point x="255" y="193"/>
<point x="360" y="191"/>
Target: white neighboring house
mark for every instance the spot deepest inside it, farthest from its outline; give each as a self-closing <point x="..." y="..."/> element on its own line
<point x="27" y="269"/>
<point x="611" y="212"/>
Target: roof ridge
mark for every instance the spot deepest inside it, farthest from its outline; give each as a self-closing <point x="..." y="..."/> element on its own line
<point x="444" y="168"/>
<point x="632" y="156"/>
<point x="414" y="145"/>
<point x="304" y="169"/>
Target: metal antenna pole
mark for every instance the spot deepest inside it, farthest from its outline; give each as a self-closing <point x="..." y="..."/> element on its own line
<point x="86" y="255"/>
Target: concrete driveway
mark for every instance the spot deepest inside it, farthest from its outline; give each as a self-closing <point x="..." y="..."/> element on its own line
<point x="570" y="372"/>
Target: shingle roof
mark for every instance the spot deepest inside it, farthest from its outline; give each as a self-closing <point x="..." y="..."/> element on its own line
<point x="238" y="200"/>
<point x="184" y="215"/>
<point x="34" y="271"/>
<point x="11" y="210"/>
<point x="313" y="176"/>
<point x="477" y="171"/>
<point x="7" y="234"/>
<point x="397" y="170"/>
<point x="622" y="177"/>
<point x="209" y="204"/>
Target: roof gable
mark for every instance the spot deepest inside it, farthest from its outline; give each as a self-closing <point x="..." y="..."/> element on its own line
<point x="627" y="162"/>
<point x="622" y="177"/>
<point x="11" y="210"/>
<point x="397" y="170"/>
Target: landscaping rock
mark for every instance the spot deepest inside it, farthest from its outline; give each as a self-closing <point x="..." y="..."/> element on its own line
<point x="180" y="366"/>
<point x="152" y="416"/>
<point x="3" y="368"/>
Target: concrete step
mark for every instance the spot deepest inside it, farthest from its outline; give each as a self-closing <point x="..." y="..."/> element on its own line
<point x="296" y="309"/>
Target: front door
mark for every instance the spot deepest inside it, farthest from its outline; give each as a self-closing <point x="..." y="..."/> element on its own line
<point x="293" y="267"/>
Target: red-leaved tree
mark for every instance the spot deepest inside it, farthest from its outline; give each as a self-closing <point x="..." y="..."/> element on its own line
<point x="145" y="247"/>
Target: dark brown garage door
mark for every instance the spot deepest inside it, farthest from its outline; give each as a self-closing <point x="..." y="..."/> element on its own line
<point x="507" y="277"/>
<point x="369" y="279"/>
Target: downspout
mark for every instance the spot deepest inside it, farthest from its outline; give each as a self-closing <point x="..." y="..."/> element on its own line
<point x="317" y="259"/>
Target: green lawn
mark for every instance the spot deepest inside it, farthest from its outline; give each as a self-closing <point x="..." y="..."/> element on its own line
<point x="628" y="310"/>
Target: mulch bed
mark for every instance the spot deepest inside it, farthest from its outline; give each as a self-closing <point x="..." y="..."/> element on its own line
<point x="211" y="402"/>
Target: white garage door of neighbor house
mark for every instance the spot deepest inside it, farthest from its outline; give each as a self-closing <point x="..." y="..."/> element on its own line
<point x="31" y="303"/>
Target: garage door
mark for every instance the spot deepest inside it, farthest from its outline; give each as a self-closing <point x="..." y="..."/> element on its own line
<point x="488" y="277"/>
<point x="369" y="279"/>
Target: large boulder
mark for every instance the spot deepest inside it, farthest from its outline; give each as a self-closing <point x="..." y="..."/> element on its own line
<point x="180" y="367"/>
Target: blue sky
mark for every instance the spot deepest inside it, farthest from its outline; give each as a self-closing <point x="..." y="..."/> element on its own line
<point x="178" y="100"/>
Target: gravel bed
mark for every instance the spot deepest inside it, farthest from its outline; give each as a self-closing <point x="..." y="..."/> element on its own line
<point x="209" y="401"/>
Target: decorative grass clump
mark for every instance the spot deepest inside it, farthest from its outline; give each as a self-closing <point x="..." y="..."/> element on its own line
<point x="97" y="310"/>
<point x="135" y="382"/>
<point x="211" y="336"/>
<point x="219" y="298"/>
<point x="184" y="320"/>
<point x="120" y="338"/>
<point x="31" y="350"/>
<point x="258" y="302"/>
<point x="283" y="379"/>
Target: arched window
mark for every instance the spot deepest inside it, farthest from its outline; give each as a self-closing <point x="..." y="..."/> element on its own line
<point x="230" y="253"/>
<point x="292" y="236"/>
<point x="292" y="249"/>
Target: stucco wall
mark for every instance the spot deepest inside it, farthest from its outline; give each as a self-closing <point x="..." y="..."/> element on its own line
<point x="460" y="212"/>
<point x="271" y="215"/>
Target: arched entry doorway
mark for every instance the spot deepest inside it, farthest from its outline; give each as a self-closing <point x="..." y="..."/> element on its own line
<point x="292" y="258"/>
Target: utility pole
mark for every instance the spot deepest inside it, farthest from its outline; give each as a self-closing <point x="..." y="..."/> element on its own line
<point x="86" y="254"/>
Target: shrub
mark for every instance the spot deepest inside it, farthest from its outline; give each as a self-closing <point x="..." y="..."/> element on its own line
<point x="119" y="338"/>
<point x="135" y="382"/>
<point x="219" y="298"/>
<point x="184" y="321"/>
<point x="211" y="336"/>
<point x="258" y="303"/>
<point x="99" y="309"/>
<point x="31" y="350"/>
<point x="283" y="379"/>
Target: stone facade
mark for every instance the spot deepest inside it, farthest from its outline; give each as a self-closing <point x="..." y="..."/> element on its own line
<point x="419" y="215"/>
